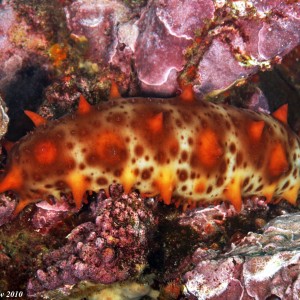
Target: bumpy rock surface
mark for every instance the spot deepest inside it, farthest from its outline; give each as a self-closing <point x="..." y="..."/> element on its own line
<point x="257" y="267"/>
<point x="109" y="249"/>
<point x="211" y="44"/>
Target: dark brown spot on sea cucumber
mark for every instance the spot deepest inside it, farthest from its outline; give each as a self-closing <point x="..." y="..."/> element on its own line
<point x="249" y="188"/>
<point x="118" y="172"/>
<point x="146" y="174"/>
<point x="174" y="148"/>
<point x="60" y="184"/>
<point x="259" y="188"/>
<point x="220" y="181"/>
<point x="209" y="189"/>
<point x="70" y="146"/>
<point x="184" y="156"/>
<point x="102" y="181"/>
<point x="286" y="185"/>
<point x="178" y="123"/>
<point x="183" y="175"/>
<point x="246" y="181"/>
<point x="160" y="156"/>
<point x="239" y="159"/>
<point x="223" y="167"/>
<point x="232" y="148"/>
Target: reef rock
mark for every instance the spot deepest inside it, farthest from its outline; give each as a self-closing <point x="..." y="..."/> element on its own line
<point x="226" y="41"/>
<point x="257" y="267"/>
<point x="97" y="21"/>
<point x="166" y="29"/>
<point x="111" y="248"/>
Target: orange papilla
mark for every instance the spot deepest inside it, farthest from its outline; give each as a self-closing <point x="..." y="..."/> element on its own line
<point x="45" y="152"/>
<point x="233" y="193"/>
<point x="278" y="163"/>
<point x="111" y="148"/>
<point x="12" y="181"/>
<point x="83" y="106"/>
<point x="187" y="94"/>
<point x="209" y="149"/>
<point x="155" y="123"/>
<point x="35" y="118"/>
<point x="281" y="113"/>
<point x="114" y="91"/>
<point x="255" y="130"/>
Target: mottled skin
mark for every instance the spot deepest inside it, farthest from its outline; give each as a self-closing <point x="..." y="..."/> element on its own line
<point x="196" y="151"/>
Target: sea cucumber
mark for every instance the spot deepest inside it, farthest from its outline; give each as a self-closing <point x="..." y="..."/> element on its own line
<point x="181" y="148"/>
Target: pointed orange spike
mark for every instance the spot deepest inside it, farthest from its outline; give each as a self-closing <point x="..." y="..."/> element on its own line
<point x="291" y="195"/>
<point x="83" y="106"/>
<point x="268" y="192"/>
<point x="114" y="91"/>
<point x="187" y="94"/>
<point x="255" y="130"/>
<point x="155" y="123"/>
<point x="233" y="194"/>
<point x="278" y="163"/>
<point x="21" y="205"/>
<point x="12" y="181"/>
<point x="78" y="186"/>
<point x="128" y="179"/>
<point x="281" y="113"/>
<point x="165" y="184"/>
<point x="35" y="118"/>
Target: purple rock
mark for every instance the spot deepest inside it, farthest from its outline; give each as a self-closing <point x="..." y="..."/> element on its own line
<point x="7" y="206"/>
<point x="258" y="267"/>
<point x="215" y="279"/>
<point x="97" y="22"/>
<point x="166" y="29"/>
<point x="103" y="251"/>
<point x="219" y="69"/>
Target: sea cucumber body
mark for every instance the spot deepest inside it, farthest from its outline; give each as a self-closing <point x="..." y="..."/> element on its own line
<point x="189" y="150"/>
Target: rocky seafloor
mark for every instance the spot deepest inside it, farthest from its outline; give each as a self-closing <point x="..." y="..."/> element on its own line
<point x="121" y="246"/>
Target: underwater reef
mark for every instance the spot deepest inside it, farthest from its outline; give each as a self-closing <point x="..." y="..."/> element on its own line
<point x="64" y="57"/>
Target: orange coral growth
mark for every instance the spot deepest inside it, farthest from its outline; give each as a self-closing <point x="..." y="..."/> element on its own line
<point x="58" y="53"/>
